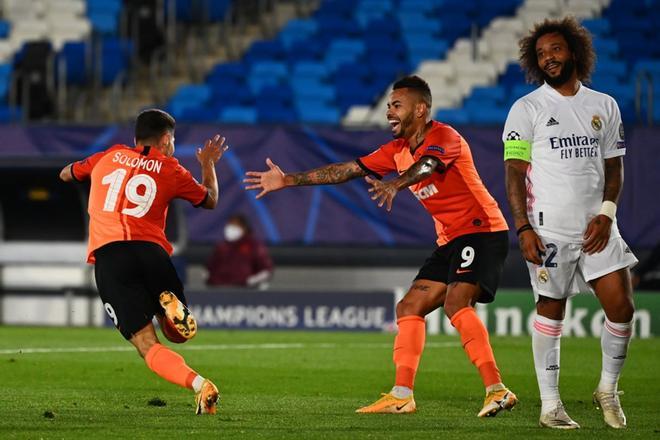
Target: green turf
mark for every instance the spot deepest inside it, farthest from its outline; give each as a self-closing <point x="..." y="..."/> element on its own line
<point x="308" y="391"/>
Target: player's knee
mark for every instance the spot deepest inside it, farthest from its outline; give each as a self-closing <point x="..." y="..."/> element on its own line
<point x="451" y="308"/>
<point x="551" y="308"/>
<point x="406" y="307"/>
<point x="622" y="311"/>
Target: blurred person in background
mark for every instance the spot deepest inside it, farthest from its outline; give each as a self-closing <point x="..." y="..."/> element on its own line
<point x="240" y="259"/>
<point x="563" y="150"/>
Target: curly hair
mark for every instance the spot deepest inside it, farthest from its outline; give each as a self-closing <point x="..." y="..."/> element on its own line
<point x="579" y="43"/>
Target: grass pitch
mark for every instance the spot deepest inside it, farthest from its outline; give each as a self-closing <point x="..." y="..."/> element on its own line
<point x="89" y="383"/>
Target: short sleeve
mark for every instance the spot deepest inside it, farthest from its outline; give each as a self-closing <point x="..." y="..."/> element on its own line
<point x="443" y="143"/>
<point x="380" y="162"/>
<point x="518" y="133"/>
<point x="614" y="143"/>
<point x="82" y="169"/>
<point x="188" y="188"/>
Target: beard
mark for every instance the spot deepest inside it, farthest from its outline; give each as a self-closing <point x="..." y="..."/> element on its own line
<point x="403" y="125"/>
<point x="567" y="70"/>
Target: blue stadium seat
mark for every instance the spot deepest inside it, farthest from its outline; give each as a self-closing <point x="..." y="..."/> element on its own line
<point x="275" y="113"/>
<point x="197" y="11"/>
<point x="9" y="115"/>
<point x="487" y="115"/>
<point x="104" y="15"/>
<point x="188" y="97"/>
<point x="5" y="27"/>
<point x="5" y="80"/>
<point x="316" y="113"/>
<point x="73" y="55"/>
<point x="238" y="114"/>
<point x="453" y="116"/>
<point x="310" y="69"/>
<point x="115" y="57"/>
<point x="615" y="68"/>
<point x="598" y="26"/>
<point x="488" y="94"/>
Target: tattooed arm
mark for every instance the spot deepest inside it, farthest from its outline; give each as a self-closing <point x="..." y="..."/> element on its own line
<point x="531" y="245"/>
<point x="275" y="179"/>
<point x="385" y="192"/>
<point x="598" y="230"/>
<point x="329" y="174"/>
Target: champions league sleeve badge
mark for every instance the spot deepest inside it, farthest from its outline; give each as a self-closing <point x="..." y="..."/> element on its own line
<point x="596" y="123"/>
<point x="542" y="275"/>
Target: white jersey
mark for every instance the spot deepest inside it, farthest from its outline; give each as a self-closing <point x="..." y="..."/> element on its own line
<point x="570" y="138"/>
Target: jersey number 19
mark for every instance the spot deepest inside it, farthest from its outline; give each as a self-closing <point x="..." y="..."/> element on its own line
<point x="142" y="201"/>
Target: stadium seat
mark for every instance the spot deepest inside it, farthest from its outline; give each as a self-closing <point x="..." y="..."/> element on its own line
<point x="73" y="57"/>
<point x="239" y="115"/>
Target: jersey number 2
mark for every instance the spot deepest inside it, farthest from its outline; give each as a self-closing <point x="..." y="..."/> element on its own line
<point x="142" y="201"/>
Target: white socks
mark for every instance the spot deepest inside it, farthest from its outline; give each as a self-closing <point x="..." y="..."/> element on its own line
<point x="546" y="339"/>
<point x="614" y="341"/>
<point x="197" y="383"/>
<point x="401" y="392"/>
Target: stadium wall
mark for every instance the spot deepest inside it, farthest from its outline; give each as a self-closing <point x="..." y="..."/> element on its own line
<point x="511" y="314"/>
<point x="300" y="216"/>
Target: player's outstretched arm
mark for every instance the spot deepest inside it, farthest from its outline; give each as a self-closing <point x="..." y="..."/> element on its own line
<point x="597" y="234"/>
<point x="275" y="179"/>
<point x="384" y="192"/>
<point x="531" y="246"/>
<point x="207" y="157"/>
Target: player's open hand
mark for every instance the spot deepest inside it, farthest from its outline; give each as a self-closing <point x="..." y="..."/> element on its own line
<point x="382" y="192"/>
<point x="266" y="181"/>
<point x="597" y="234"/>
<point x="531" y="246"/>
<point x="212" y="151"/>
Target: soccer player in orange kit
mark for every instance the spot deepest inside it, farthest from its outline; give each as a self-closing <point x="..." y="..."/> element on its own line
<point x="434" y="161"/>
<point x="130" y="190"/>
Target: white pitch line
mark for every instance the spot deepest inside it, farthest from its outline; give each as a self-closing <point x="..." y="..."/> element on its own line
<point x="282" y="346"/>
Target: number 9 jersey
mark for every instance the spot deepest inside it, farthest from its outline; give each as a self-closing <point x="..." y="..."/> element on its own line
<point x="131" y="189"/>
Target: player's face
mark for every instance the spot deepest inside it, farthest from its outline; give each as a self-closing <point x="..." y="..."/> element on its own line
<point x="401" y="112"/>
<point x="555" y="59"/>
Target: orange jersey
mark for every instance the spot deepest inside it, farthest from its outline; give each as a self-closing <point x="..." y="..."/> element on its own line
<point x="130" y="191"/>
<point x="454" y="195"/>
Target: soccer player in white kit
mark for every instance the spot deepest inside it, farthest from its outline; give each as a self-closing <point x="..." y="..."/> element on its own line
<point x="564" y="147"/>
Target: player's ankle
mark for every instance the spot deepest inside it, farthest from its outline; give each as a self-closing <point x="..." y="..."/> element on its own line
<point x="495" y="387"/>
<point x="401" y="392"/>
<point x="197" y="383"/>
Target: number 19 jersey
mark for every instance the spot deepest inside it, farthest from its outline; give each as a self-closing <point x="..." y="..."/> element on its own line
<point x="130" y="191"/>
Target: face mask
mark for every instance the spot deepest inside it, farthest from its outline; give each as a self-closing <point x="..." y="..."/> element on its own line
<point x="233" y="232"/>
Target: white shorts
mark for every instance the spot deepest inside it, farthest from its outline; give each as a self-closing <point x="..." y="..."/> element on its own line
<point x="566" y="270"/>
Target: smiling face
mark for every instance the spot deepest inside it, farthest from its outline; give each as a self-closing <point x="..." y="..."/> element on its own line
<point x="403" y="109"/>
<point x="555" y="59"/>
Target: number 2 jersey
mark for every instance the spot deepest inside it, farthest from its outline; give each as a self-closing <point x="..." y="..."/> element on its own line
<point x="566" y="140"/>
<point x="130" y="191"/>
<point x="454" y="194"/>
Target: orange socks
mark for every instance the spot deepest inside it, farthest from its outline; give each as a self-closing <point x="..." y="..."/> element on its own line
<point x="474" y="338"/>
<point x="170" y="366"/>
<point x="408" y="347"/>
